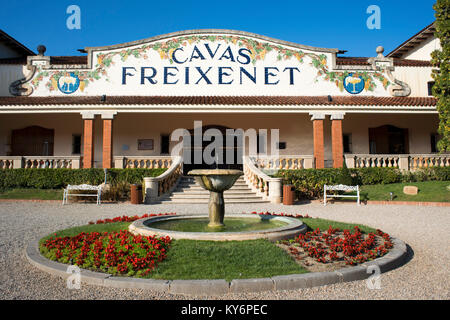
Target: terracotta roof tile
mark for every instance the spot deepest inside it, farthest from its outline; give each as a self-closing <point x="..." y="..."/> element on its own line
<point x="68" y="60"/>
<point x="22" y="61"/>
<point x="362" y="61"/>
<point x="224" y="100"/>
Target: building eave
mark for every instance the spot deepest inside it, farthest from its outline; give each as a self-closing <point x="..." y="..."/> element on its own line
<point x="413" y="42"/>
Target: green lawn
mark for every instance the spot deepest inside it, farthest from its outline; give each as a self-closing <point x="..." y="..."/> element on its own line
<point x="323" y="224"/>
<point x="433" y="191"/>
<point x="32" y="194"/>
<point x="190" y="259"/>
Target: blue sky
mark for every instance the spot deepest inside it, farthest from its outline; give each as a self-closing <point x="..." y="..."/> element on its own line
<point x="330" y="24"/>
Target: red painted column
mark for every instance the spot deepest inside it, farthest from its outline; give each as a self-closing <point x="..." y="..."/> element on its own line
<point x="88" y="142"/>
<point x="107" y="143"/>
<point x="319" y="153"/>
<point x="107" y="140"/>
<point x="337" y="140"/>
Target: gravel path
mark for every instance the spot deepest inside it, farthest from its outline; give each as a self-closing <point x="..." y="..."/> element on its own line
<point x="424" y="229"/>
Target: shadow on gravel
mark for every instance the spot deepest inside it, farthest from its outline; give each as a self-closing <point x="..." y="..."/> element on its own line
<point x="409" y="255"/>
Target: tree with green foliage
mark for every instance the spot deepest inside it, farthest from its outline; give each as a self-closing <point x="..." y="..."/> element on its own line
<point x="440" y="59"/>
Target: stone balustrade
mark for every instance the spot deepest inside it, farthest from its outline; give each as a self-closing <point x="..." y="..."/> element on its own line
<point x="401" y="161"/>
<point x="156" y="162"/>
<point x="155" y="187"/>
<point x="418" y="161"/>
<point x="269" y="188"/>
<point x="283" y="162"/>
<point x="10" y="162"/>
<point x="373" y="160"/>
<point x="35" y="162"/>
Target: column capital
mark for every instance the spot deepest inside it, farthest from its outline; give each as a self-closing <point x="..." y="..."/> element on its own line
<point x="108" y="115"/>
<point x="317" y="116"/>
<point x="87" y="115"/>
<point x="337" y="116"/>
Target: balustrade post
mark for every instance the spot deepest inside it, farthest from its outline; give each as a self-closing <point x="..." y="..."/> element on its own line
<point x="308" y="163"/>
<point x="350" y="161"/>
<point x="403" y="162"/>
<point x="17" y="163"/>
<point x="119" y="162"/>
<point x="274" y="189"/>
<point x="76" y="163"/>
<point x="151" y="187"/>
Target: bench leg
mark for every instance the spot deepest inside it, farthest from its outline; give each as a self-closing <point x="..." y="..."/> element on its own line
<point x="325" y="198"/>
<point x="357" y="192"/>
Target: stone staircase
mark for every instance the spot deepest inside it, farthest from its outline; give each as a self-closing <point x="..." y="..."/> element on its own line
<point x="188" y="191"/>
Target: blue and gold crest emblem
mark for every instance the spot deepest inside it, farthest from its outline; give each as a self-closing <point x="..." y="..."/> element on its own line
<point x="354" y="84"/>
<point x="68" y="83"/>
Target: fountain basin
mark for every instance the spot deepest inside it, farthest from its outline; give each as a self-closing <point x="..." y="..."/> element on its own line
<point x="216" y="180"/>
<point x="291" y="228"/>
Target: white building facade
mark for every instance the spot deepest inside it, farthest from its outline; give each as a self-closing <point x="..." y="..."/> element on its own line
<point x="118" y="105"/>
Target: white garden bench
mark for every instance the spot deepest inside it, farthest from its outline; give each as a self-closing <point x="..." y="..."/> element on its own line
<point x="82" y="187"/>
<point x="340" y="187"/>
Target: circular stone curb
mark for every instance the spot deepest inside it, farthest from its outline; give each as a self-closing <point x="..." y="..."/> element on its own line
<point x="293" y="228"/>
<point x="393" y="259"/>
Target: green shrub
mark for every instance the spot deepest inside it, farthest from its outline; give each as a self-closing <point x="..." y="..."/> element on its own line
<point x="60" y="178"/>
<point x="309" y="182"/>
<point x="369" y="176"/>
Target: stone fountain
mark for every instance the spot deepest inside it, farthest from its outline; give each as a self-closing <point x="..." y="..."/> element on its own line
<point x="216" y="181"/>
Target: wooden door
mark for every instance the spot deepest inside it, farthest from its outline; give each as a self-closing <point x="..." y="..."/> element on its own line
<point x="388" y="140"/>
<point x="32" y="141"/>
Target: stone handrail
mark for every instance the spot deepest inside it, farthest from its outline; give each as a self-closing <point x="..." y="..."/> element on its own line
<point x="269" y="188"/>
<point x="10" y="162"/>
<point x="155" y="162"/>
<point x="40" y="162"/>
<point x="284" y="162"/>
<point x="417" y="161"/>
<point x="374" y="160"/>
<point x="401" y="161"/>
<point x="155" y="187"/>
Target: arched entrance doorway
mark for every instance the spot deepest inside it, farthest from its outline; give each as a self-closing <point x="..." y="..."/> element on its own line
<point x="32" y="141"/>
<point x="232" y="156"/>
<point x="388" y="140"/>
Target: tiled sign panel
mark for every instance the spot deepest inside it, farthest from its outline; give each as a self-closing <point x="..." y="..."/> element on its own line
<point x="209" y="65"/>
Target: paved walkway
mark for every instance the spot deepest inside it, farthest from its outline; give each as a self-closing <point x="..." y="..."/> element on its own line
<point x="424" y="229"/>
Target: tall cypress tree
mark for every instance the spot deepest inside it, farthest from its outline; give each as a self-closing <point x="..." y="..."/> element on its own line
<point x="440" y="60"/>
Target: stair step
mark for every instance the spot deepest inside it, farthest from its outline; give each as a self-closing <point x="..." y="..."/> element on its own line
<point x="205" y="201"/>
<point x="183" y="184"/>
<point x="204" y="192"/>
<point x="206" y="196"/>
<point x="189" y="191"/>
<point x="195" y="188"/>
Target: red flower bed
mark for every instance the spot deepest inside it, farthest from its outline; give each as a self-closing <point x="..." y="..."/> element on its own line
<point x="336" y="245"/>
<point x="281" y="214"/>
<point x="113" y="252"/>
<point x="132" y="218"/>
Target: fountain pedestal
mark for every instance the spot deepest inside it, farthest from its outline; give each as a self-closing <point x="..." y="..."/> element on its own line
<point x="216" y="181"/>
<point x="216" y="208"/>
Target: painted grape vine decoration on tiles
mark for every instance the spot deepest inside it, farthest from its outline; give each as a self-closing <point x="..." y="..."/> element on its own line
<point x="165" y="49"/>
